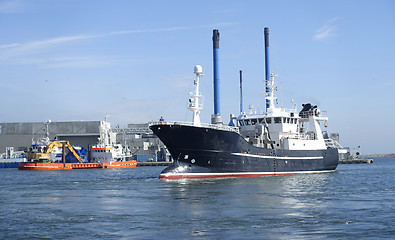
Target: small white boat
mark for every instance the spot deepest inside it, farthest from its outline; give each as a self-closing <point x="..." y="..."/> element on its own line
<point x="109" y="153"/>
<point x="107" y="150"/>
<point x="11" y="158"/>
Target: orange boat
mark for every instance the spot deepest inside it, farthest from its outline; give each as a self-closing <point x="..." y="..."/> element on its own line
<point x="69" y="166"/>
<point x="106" y="154"/>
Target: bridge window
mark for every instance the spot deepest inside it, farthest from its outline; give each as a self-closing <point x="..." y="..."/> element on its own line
<point x="268" y="120"/>
<point x="277" y="120"/>
<point x="253" y="121"/>
<point x="241" y="123"/>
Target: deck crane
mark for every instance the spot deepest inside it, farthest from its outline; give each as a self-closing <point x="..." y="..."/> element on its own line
<point x="45" y="155"/>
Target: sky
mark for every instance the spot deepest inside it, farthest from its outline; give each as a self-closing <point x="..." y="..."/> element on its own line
<point x="69" y="60"/>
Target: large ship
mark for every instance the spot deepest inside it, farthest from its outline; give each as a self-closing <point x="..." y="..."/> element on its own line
<point x="277" y="142"/>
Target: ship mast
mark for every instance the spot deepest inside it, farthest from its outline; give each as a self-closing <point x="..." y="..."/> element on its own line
<point x="194" y="104"/>
<point x="270" y="96"/>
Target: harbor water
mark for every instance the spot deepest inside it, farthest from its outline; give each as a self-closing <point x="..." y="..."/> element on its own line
<point x="355" y="202"/>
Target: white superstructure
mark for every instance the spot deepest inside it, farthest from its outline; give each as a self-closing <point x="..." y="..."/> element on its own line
<point x="107" y="150"/>
<point x="281" y="128"/>
<point x="12" y="156"/>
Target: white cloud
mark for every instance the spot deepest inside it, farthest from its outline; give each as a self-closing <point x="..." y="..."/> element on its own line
<point x="127" y="32"/>
<point x="387" y="84"/>
<point x="32" y="53"/>
<point x="59" y="40"/>
<point x="11" y="45"/>
<point x="10" y="50"/>
<point x="328" y="30"/>
<point x="11" y="6"/>
<point x="64" y="39"/>
<point x="17" y="49"/>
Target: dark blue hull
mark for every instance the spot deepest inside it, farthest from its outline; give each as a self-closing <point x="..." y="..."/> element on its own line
<point x="200" y="152"/>
<point x="9" y="164"/>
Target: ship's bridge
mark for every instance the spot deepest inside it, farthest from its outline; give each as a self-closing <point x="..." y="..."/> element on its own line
<point x="277" y="123"/>
<point x="282" y="128"/>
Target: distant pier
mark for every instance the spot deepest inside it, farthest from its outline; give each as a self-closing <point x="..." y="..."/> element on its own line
<point x="150" y="164"/>
<point x="355" y="161"/>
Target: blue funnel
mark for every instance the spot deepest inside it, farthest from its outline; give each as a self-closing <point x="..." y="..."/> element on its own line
<point x="216" y="71"/>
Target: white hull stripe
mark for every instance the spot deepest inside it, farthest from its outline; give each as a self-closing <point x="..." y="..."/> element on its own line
<point x="40" y="166"/>
<point x="275" y="157"/>
<point x="234" y="174"/>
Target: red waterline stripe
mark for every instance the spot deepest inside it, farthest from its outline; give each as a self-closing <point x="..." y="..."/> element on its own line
<point x="232" y="175"/>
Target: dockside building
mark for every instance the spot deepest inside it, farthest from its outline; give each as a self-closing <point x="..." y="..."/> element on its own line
<point x="137" y="137"/>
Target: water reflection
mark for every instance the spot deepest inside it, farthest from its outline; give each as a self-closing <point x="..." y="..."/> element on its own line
<point x="257" y="203"/>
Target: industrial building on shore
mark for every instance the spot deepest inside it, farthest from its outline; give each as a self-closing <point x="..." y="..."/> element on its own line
<point x="137" y="137"/>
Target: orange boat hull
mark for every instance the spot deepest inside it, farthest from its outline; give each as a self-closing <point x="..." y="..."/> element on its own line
<point x="69" y="166"/>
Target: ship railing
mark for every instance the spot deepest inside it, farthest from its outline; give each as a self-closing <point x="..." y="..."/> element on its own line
<point x="331" y="143"/>
<point x="298" y="136"/>
<point x="194" y="105"/>
<point x="306" y="114"/>
<point x="130" y="130"/>
<point x="310" y="135"/>
<point x="276" y="111"/>
<point x="203" y="125"/>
